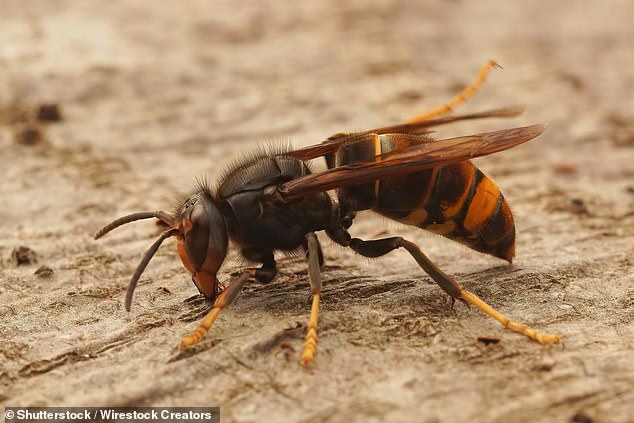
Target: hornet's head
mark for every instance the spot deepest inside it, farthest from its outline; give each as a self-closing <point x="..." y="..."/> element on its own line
<point x="201" y="235"/>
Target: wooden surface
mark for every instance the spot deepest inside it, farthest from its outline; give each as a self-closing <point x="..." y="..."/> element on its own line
<point x="152" y="97"/>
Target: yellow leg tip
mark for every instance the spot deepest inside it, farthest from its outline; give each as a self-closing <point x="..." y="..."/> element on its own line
<point x="308" y="356"/>
<point x="199" y="333"/>
<point x="542" y="338"/>
<point x="186" y="342"/>
<point x="310" y="348"/>
<point x="491" y="64"/>
<point x="310" y="344"/>
<point x="547" y="339"/>
<point x="193" y="338"/>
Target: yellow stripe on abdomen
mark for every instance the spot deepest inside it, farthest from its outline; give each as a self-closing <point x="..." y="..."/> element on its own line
<point x="483" y="204"/>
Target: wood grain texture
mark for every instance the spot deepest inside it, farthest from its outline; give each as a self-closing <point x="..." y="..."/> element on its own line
<point x="152" y="97"/>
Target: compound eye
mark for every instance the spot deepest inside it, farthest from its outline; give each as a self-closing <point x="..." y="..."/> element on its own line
<point x="196" y="223"/>
<point x="202" y="242"/>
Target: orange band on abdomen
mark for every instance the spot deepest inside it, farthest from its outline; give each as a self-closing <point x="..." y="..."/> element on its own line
<point x="482" y="205"/>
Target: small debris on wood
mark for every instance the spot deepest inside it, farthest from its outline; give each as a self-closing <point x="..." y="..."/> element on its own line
<point x="488" y="341"/>
<point x="28" y="133"/>
<point x="580" y="417"/>
<point x="573" y="205"/>
<point x="567" y="169"/>
<point x="287" y="350"/>
<point x="287" y="346"/>
<point x="280" y="338"/>
<point x="409" y="96"/>
<point x="43" y="271"/>
<point x="23" y="255"/>
<point x="574" y="80"/>
<point x="545" y="365"/>
<point x="578" y="206"/>
<point x="48" y="112"/>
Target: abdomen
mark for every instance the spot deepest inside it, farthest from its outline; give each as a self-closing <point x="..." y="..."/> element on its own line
<point x="457" y="201"/>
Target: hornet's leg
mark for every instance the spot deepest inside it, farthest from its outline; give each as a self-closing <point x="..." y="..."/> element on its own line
<point x="268" y="271"/>
<point x="310" y="346"/>
<point x="460" y="98"/>
<point x="224" y="299"/>
<point x="383" y="246"/>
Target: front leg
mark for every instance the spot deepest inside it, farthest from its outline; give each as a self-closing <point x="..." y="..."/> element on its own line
<point x="225" y="299"/>
<point x="268" y="271"/>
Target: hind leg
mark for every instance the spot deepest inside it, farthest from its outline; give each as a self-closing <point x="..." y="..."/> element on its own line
<point x="460" y="98"/>
<point x="380" y="247"/>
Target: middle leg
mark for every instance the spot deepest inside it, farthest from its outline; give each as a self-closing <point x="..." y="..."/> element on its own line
<point x="313" y="256"/>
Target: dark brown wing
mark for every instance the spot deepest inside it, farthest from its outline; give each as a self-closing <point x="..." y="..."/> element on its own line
<point x="335" y="141"/>
<point x="421" y="127"/>
<point x="421" y="156"/>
